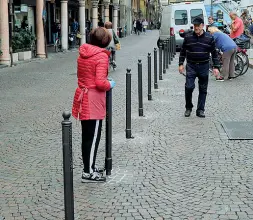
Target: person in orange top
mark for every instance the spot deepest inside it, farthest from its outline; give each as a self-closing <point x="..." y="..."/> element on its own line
<point x="237" y="27"/>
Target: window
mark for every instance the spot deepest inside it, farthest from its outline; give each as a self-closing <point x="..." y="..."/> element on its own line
<point x="181" y="17"/>
<point x="196" y="13"/>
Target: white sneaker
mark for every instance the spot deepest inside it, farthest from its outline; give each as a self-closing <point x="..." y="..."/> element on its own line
<point x="92" y="177"/>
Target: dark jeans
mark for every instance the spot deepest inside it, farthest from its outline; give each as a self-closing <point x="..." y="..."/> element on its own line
<point x="202" y="72"/>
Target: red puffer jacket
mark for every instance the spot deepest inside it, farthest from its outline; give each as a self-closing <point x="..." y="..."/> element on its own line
<point x="90" y="96"/>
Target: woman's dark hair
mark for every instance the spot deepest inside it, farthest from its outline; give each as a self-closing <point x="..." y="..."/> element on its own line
<point x="100" y="37"/>
<point x="108" y="25"/>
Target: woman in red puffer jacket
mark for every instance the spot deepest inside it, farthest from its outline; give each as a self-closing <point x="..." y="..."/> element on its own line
<point x="89" y="105"/>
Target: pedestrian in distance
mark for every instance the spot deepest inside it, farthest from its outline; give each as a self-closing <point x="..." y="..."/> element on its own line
<point x="237" y="26"/>
<point x="56" y="30"/>
<point x="74" y="26"/>
<point x="134" y="25"/>
<point x="196" y="49"/>
<point x="89" y="104"/>
<point x="144" y="25"/>
<point x="114" y="43"/>
<point x="139" y="26"/>
<point x="211" y="22"/>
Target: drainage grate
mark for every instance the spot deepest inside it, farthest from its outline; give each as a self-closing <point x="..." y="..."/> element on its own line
<point x="238" y="130"/>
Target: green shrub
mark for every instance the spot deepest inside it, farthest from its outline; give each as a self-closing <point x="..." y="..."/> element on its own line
<point x="22" y="40"/>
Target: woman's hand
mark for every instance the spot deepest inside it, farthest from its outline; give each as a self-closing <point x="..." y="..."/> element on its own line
<point x="112" y="83"/>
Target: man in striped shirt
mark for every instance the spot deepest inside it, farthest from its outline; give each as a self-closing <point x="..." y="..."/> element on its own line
<point x="196" y="49"/>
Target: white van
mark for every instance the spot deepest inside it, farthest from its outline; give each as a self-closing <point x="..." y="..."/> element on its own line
<point x="176" y="17"/>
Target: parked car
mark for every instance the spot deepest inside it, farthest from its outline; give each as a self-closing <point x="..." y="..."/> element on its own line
<point x="178" y="17"/>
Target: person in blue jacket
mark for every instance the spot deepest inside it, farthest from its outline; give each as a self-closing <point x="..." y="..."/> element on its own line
<point x="228" y="47"/>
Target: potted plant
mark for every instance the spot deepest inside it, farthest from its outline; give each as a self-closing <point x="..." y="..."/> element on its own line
<point x="21" y="44"/>
<point x="16" y="46"/>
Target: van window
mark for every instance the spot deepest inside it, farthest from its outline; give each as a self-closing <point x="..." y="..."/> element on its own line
<point x="181" y="17"/>
<point x="196" y="13"/>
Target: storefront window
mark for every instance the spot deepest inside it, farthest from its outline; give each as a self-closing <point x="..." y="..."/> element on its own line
<point x="20" y="15"/>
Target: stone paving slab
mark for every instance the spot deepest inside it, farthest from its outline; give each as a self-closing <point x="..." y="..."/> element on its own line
<point x="239" y="130"/>
<point x="174" y="168"/>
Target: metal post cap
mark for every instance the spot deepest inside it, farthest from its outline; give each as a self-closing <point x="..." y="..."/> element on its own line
<point x="128" y="70"/>
<point x="139" y="61"/>
<point x="155" y="49"/>
<point x="149" y="54"/>
<point x="66" y="115"/>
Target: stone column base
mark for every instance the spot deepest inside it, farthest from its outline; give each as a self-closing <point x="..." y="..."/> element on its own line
<point x="5" y="62"/>
<point x="41" y="55"/>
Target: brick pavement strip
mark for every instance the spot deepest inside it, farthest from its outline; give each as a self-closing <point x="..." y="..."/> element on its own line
<point x="174" y="168"/>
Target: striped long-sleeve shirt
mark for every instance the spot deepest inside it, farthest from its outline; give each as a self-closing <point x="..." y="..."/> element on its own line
<point x="197" y="49"/>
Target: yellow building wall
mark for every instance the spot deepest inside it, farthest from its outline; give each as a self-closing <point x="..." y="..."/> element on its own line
<point x="143" y="8"/>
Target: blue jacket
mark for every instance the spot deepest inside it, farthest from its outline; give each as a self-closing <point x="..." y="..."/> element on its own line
<point x="223" y="42"/>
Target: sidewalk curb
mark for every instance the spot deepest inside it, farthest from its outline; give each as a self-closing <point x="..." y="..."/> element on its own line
<point x="2" y="66"/>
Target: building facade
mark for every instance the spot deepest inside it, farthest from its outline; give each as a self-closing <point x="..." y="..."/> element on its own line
<point x="38" y="17"/>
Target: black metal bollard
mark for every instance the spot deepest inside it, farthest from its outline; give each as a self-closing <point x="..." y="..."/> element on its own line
<point x="140" y="96"/>
<point x="175" y="45"/>
<point x="171" y="48"/>
<point x="67" y="166"/>
<point x="160" y="62"/>
<point x="149" y="77"/>
<point x="108" y="134"/>
<point x="164" y="56"/>
<point x="155" y="69"/>
<point x="128" y="104"/>
<point x="169" y="53"/>
<point x="174" y="48"/>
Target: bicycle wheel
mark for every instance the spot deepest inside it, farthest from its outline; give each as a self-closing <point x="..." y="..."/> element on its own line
<point x="245" y="60"/>
<point x="238" y="65"/>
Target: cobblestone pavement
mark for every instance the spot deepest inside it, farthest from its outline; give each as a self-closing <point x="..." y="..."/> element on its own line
<point x="174" y="168"/>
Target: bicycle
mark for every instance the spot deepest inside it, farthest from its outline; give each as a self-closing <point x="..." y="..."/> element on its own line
<point x="242" y="45"/>
<point x="243" y="54"/>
